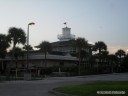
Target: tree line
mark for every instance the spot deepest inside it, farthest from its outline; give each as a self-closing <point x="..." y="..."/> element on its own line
<point x="96" y="54"/>
<point x="99" y="56"/>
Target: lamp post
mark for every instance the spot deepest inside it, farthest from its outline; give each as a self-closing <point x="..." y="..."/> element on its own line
<point x="32" y="23"/>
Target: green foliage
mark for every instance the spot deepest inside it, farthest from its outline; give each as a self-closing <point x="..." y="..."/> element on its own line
<point x="17" y="35"/>
<point x="4" y="44"/>
<point x="29" y="47"/>
<point x="120" y="53"/>
<point x="125" y="63"/>
<point x="44" y="46"/>
<point x="18" y="52"/>
<point x="92" y="88"/>
<point x="80" y="44"/>
<point x="100" y="46"/>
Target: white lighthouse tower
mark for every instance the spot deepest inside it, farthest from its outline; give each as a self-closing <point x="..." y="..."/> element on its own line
<point x="66" y="34"/>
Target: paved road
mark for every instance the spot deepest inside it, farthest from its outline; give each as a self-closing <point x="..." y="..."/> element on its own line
<point x="41" y="87"/>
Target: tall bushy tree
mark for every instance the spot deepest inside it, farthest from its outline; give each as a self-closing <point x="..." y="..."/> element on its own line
<point x="45" y="46"/>
<point x="80" y="44"/>
<point x="125" y="63"/>
<point x="18" y="53"/>
<point x="120" y="55"/>
<point x="29" y="47"/>
<point x="101" y="48"/>
<point x="16" y="36"/>
<point x="4" y="44"/>
<point x="112" y="61"/>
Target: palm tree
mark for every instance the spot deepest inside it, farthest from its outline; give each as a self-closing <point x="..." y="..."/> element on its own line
<point x="16" y="35"/>
<point x="45" y="47"/>
<point x="120" y="54"/>
<point x="125" y="63"/>
<point x="80" y="44"/>
<point x="83" y="55"/>
<point x="3" y="47"/>
<point x="18" y="53"/>
<point x="104" y="57"/>
<point x="112" y="60"/>
<point x="101" y="47"/>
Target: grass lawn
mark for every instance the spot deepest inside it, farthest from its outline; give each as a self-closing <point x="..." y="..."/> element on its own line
<point x="91" y="89"/>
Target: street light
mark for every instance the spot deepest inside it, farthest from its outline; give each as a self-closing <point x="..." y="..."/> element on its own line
<point x="32" y="23"/>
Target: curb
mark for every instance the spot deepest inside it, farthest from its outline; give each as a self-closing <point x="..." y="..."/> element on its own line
<point x="60" y="94"/>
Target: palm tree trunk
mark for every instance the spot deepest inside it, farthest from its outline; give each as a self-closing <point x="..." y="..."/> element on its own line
<point x="45" y="62"/>
<point x="14" y="59"/>
<point x="79" y="65"/>
<point x="111" y="67"/>
<point x="2" y="65"/>
<point x="16" y="69"/>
